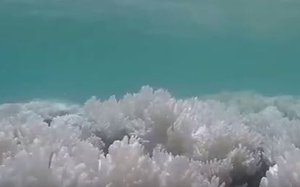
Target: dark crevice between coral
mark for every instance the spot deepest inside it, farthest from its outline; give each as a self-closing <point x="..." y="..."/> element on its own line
<point x="48" y="121"/>
<point x="108" y="141"/>
<point x="252" y="180"/>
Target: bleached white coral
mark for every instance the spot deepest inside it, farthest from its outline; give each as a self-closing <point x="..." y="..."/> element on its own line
<point x="151" y="139"/>
<point x="286" y="171"/>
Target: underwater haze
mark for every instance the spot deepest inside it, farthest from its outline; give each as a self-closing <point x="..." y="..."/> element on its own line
<point x="73" y="49"/>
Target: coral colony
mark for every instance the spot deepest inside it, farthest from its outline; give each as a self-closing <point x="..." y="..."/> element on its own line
<point x="151" y="139"/>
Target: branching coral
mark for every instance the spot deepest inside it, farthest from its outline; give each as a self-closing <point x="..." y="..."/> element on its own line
<point x="151" y="139"/>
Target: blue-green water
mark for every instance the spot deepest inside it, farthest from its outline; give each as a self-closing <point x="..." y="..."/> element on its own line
<point x="75" y="49"/>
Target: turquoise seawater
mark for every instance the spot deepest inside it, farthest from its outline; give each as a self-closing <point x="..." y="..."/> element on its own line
<point x="76" y="49"/>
